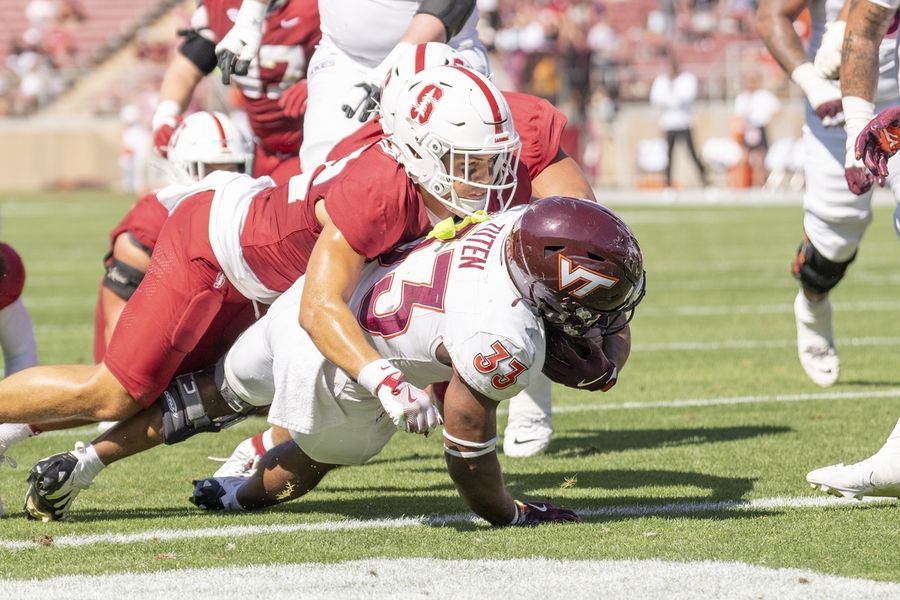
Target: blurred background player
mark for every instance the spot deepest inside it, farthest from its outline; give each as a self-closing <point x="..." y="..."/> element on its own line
<point x="837" y="200"/>
<point x="273" y="89"/>
<point x="674" y="93"/>
<point x="202" y="142"/>
<point x="16" y="339"/>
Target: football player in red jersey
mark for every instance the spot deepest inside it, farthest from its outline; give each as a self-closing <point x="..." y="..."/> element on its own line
<point x="202" y="143"/>
<point x="273" y="89"/>
<point x="16" y="339"/>
<point x="232" y="244"/>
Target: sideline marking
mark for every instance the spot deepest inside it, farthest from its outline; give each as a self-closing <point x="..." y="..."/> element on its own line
<point x="673" y="508"/>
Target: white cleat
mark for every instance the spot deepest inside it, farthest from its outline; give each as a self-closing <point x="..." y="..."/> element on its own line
<point x="527" y="437"/>
<point x="242" y="462"/>
<point x="878" y="475"/>
<point x="815" y="341"/>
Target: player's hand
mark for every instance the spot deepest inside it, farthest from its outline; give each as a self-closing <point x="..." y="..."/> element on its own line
<point x="409" y="407"/>
<point x="578" y="362"/>
<point x="859" y="180"/>
<point x="165" y="120"/>
<point x="293" y="100"/>
<point x="878" y="141"/>
<point x="828" y="56"/>
<point x="539" y="513"/>
<point x="368" y="94"/>
<point x="830" y="112"/>
<point x="241" y="44"/>
<point x="824" y="96"/>
<point x="366" y="99"/>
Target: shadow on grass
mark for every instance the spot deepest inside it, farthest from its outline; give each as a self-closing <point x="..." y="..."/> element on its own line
<point x="587" y="442"/>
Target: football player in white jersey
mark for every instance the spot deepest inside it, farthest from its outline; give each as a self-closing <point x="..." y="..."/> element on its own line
<point x="360" y="42"/>
<point x="837" y="200"/>
<point x="487" y="311"/>
<point x="867" y="24"/>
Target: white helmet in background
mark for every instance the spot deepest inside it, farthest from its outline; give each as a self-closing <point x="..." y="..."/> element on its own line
<point x="450" y="122"/>
<point x="205" y="142"/>
<point x="411" y="61"/>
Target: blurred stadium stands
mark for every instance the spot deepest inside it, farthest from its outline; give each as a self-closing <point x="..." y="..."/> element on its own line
<point x="76" y="69"/>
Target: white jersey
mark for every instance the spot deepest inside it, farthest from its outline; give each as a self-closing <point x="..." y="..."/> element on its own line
<point x="826" y="11"/>
<point x="410" y="302"/>
<point x="367" y="30"/>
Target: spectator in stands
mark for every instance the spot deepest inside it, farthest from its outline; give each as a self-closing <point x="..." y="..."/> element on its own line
<point x="674" y="93"/>
<point x="755" y="108"/>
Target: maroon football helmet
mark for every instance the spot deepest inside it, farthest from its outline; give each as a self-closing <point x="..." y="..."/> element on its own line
<point x="576" y="264"/>
<point x="579" y="362"/>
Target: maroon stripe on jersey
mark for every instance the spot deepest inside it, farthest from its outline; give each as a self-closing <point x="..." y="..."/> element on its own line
<point x="492" y="101"/>
<point x="420" y="58"/>
<point x="223" y="138"/>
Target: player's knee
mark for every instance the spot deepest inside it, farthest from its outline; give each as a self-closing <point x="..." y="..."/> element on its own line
<point x="185" y="413"/>
<point x="816" y="272"/>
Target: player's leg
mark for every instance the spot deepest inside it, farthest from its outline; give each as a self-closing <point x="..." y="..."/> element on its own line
<point x="245" y="457"/>
<point x="530" y="425"/>
<point x="834" y="222"/>
<point x="331" y="77"/>
<point x="878" y="475"/>
<point x="670" y="148"/>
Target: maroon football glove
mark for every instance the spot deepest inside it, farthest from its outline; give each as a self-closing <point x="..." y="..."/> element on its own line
<point x="163" y="134"/>
<point x="879" y="140"/>
<point x="831" y="113"/>
<point x="538" y="513"/>
<point x="293" y="100"/>
<point x="578" y="362"/>
<point x="858" y="180"/>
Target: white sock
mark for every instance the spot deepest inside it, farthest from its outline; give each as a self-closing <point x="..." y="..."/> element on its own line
<point x="90" y="464"/>
<point x="13" y="433"/>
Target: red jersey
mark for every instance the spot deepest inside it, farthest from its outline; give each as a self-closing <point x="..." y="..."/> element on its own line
<point x="539" y="124"/>
<point x="368" y="196"/>
<point x="290" y="35"/>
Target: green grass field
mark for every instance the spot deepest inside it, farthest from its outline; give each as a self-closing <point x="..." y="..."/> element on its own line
<point x="655" y="476"/>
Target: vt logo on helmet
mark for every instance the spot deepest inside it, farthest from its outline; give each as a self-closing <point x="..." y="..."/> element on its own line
<point x="454" y="135"/>
<point x="576" y="264"/>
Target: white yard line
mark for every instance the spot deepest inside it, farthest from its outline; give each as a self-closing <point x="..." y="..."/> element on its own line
<point x="727" y="400"/>
<point x="761" y="309"/>
<point x="534" y="577"/>
<point x="674" y="508"/>
<point x="755" y="344"/>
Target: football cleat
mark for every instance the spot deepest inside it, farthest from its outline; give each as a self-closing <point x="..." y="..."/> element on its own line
<point x="815" y="341"/>
<point x="878" y="475"/>
<point x="53" y="484"/>
<point x="527" y="436"/>
<point x="242" y="462"/>
<point x="216" y="493"/>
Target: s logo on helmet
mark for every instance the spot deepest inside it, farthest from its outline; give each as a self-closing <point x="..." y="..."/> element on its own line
<point x="590" y="280"/>
<point x="428" y="97"/>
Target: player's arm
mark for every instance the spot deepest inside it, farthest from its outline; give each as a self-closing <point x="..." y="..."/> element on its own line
<point x="434" y="21"/>
<point x="470" y="440"/>
<point x="775" y="24"/>
<point x="867" y="23"/>
<point x="562" y="177"/>
<point x="241" y="44"/>
<point x="332" y="275"/>
<point x="195" y="58"/>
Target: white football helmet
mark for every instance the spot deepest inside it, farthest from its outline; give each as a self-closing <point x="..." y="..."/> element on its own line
<point x="411" y="61"/>
<point x="203" y="142"/>
<point x="452" y="125"/>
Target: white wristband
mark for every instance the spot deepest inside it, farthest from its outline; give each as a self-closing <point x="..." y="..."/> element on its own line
<point x="806" y="77"/>
<point x="371" y="375"/>
<point x="857" y="114"/>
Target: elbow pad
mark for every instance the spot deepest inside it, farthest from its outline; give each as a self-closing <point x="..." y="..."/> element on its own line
<point x="452" y="13"/>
